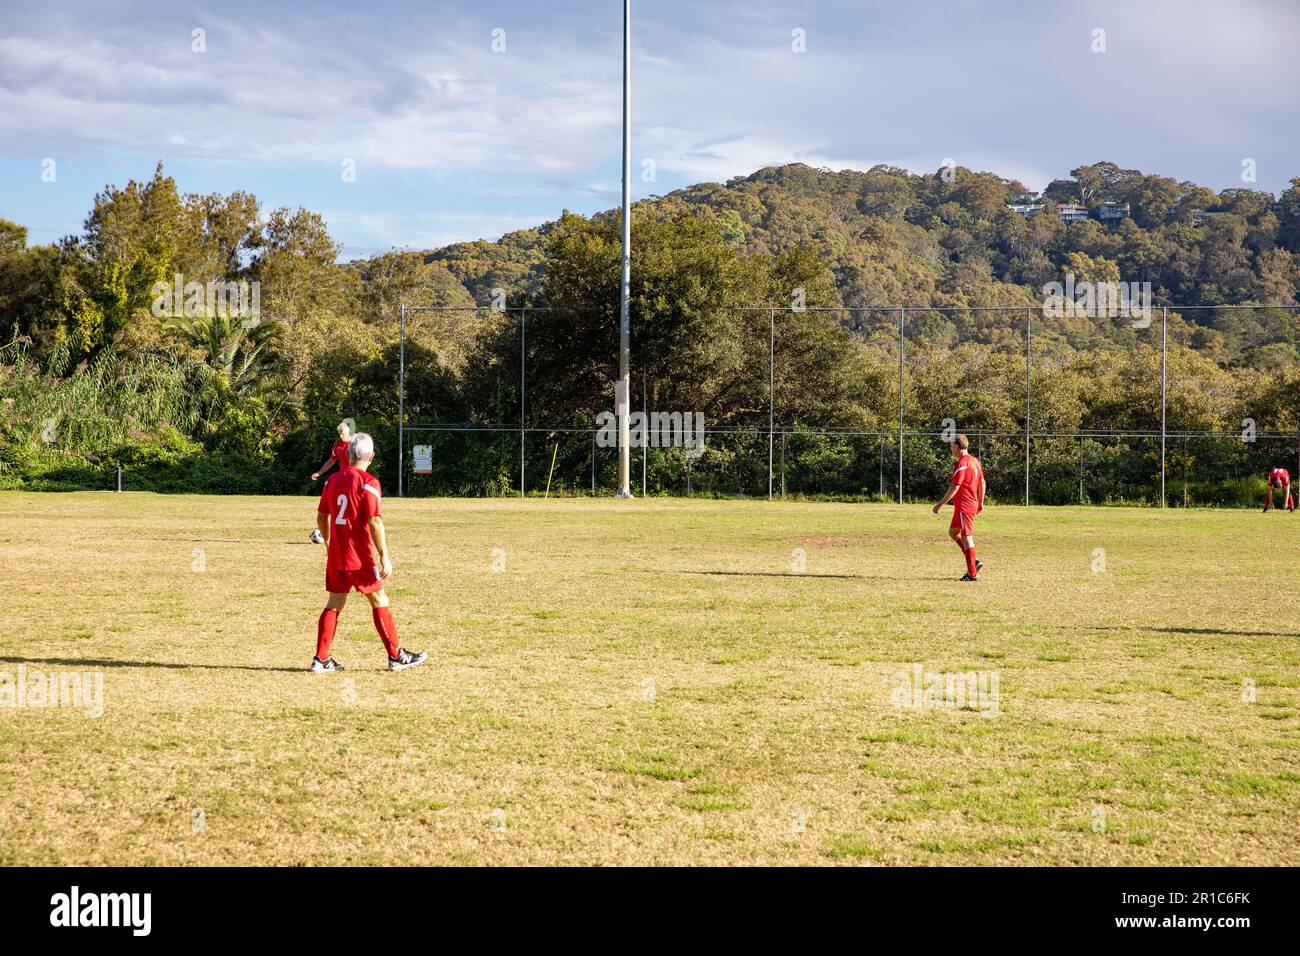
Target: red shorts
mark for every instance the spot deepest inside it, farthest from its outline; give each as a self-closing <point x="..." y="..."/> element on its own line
<point x="964" y="521"/>
<point x="365" y="580"/>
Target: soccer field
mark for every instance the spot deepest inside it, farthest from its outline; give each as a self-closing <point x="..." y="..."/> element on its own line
<point x="652" y="682"/>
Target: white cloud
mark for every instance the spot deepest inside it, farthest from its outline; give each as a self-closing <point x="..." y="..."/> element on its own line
<point x="381" y="231"/>
<point x="1186" y="88"/>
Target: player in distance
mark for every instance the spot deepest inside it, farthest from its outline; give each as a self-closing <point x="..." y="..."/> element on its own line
<point x="1279" y="478"/>
<point x="966" y="492"/>
<point x="338" y="456"/>
<point x="349" y="519"/>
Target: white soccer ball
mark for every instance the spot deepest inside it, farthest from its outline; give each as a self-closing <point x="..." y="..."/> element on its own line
<point x="317" y="538"/>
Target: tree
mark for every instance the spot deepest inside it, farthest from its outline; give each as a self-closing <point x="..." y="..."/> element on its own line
<point x="1288" y="233"/>
<point x="238" y="353"/>
<point x="1097" y="183"/>
<point x="99" y="294"/>
<point x="27" y="278"/>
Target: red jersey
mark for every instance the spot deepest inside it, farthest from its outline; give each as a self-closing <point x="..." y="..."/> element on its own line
<point x="968" y="476"/>
<point x="1279" y="476"/>
<point x="351" y="498"/>
<point x="340" y="454"/>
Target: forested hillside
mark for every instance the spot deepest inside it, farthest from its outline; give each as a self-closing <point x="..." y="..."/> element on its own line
<point x="192" y="397"/>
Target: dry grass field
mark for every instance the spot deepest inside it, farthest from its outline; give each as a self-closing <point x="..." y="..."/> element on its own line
<point x="654" y="682"/>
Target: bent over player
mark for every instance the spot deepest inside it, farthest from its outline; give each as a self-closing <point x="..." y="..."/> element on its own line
<point x="338" y="456"/>
<point x="1279" y="478"/>
<point x="348" y="517"/>
<point x="338" y="453"/>
<point x="966" y="492"/>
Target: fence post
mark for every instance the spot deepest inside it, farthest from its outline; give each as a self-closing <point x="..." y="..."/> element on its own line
<point x="783" y="464"/>
<point x="771" y="394"/>
<point x="645" y="434"/>
<point x="401" y="399"/>
<point x="119" y="477"/>
<point x="593" y="463"/>
<point x="1186" y="460"/>
<point x="902" y="317"/>
<point x="1164" y="349"/>
<point x="1028" y="360"/>
<point x="523" y="388"/>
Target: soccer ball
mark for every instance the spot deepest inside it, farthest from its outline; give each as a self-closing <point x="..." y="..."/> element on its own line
<point x="317" y="538"/>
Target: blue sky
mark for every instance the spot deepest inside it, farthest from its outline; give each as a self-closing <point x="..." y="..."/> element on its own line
<point x="453" y="141"/>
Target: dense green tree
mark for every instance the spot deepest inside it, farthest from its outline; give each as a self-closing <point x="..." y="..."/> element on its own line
<point x="28" y="308"/>
<point x="723" y="272"/>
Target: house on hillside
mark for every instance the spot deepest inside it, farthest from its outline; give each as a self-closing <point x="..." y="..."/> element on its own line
<point x="1027" y="205"/>
<point x="1071" y="212"/>
<point x="1113" y="213"/>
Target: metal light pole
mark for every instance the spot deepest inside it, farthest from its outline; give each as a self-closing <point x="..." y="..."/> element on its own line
<point x="645" y="441"/>
<point x="625" y="281"/>
<point x="523" y="393"/>
<point x="1164" y="345"/>
<point x="1028" y="320"/>
<point x="771" y="394"/>
<point x="902" y="314"/>
<point x="401" y="400"/>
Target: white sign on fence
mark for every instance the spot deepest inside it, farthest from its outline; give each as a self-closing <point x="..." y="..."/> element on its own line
<point x="423" y="459"/>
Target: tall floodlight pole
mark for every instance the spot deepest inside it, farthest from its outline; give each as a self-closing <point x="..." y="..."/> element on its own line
<point x="523" y="393"/>
<point x="1164" y="352"/>
<point x="401" y="399"/>
<point x="771" y="399"/>
<point x="902" y="317"/>
<point x="1028" y="363"/>
<point x="623" y="392"/>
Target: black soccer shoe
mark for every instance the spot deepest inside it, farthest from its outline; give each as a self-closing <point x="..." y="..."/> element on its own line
<point x="405" y="659"/>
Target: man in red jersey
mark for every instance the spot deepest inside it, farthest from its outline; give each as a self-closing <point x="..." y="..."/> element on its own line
<point x="966" y="492"/>
<point x="1279" y="478"/>
<point x="338" y="456"/>
<point x="348" y="517"/>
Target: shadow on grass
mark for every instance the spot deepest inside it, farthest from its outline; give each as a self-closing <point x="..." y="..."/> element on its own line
<point x="1224" y="632"/>
<point x="766" y="574"/>
<point x="164" y="665"/>
<point x="223" y="541"/>
<point x="791" y="574"/>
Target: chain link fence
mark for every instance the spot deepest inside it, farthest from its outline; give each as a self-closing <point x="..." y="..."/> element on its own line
<point x="762" y="438"/>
